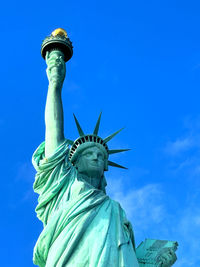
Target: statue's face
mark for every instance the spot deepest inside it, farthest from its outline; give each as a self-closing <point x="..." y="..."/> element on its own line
<point x="91" y="162"/>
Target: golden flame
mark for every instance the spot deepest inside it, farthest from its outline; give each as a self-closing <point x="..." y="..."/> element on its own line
<point x="59" y="31"/>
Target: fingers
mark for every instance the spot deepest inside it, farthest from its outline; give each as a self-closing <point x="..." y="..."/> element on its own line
<point x="63" y="62"/>
<point x="55" y="54"/>
<point x="172" y="256"/>
<point x="47" y="56"/>
<point x="159" y="264"/>
<point x="168" y="258"/>
<point x="165" y="259"/>
<point x="56" y="68"/>
<point x="55" y="61"/>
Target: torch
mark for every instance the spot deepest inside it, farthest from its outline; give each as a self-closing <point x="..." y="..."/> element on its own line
<point x="58" y="40"/>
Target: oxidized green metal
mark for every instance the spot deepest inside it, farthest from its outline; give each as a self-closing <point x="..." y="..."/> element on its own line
<point x="153" y="252"/>
<point x="82" y="225"/>
<point x="58" y="40"/>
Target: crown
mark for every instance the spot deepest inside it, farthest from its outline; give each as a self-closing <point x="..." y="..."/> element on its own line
<point x="87" y="140"/>
<point x="58" y="40"/>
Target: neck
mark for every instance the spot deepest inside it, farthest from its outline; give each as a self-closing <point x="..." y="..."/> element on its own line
<point x="94" y="181"/>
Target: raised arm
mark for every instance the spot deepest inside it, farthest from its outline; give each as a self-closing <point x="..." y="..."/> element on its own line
<point x="56" y="70"/>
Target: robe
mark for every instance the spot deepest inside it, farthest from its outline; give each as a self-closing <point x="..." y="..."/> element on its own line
<point x="83" y="227"/>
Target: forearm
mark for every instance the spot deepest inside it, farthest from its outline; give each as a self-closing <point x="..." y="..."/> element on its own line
<point x="54" y="134"/>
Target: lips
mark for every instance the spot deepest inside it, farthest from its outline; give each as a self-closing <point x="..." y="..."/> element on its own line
<point x="94" y="164"/>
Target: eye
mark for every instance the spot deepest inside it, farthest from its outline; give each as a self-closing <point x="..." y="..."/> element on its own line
<point x="100" y="156"/>
<point x="88" y="154"/>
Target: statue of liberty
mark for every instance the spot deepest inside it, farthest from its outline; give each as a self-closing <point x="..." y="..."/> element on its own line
<point x="82" y="225"/>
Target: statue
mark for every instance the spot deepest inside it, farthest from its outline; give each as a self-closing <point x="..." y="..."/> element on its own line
<point x="82" y="225"/>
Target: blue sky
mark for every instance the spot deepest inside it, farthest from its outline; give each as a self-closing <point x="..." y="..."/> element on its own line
<point x="139" y="63"/>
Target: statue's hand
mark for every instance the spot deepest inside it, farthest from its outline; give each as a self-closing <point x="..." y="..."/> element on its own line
<point x="167" y="258"/>
<point x="56" y="68"/>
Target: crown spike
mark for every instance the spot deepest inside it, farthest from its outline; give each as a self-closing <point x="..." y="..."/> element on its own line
<point x="81" y="133"/>
<point x="113" y="164"/>
<point x="113" y="151"/>
<point x="107" y="139"/>
<point x="96" y="129"/>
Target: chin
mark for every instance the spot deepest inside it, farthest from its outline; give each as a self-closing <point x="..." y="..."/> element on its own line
<point x="93" y="172"/>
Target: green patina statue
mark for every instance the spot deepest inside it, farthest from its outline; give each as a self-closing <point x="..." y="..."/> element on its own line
<point x="82" y="225"/>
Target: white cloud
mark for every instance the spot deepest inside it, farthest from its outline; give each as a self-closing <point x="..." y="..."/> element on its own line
<point x="25" y="172"/>
<point x="188" y="234"/>
<point x="179" y="146"/>
<point x="184" y="162"/>
<point x="189" y="140"/>
<point x="72" y="87"/>
<point x="184" y="153"/>
<point x="25" y="175"/>
<point x="144" y="206"/>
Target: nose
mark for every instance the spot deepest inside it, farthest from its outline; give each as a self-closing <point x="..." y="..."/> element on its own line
<point x="95" y="156"/>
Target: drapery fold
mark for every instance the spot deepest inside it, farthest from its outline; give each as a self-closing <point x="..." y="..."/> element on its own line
<point x="83" y="227"/>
